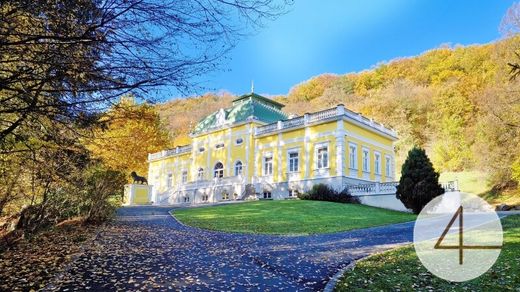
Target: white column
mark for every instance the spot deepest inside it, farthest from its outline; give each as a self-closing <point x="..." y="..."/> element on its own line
<point x="340" y="148"/>
<point x="256" y="156"/>
<point x="194" y="149"/>
<point x="306" y="150"/>
<point x="246" y="166"/>
<point x="279" y="158"/>
<point x="208" y="172"/>
<point x="340" y="108"/>
<point x="230" y="144"/>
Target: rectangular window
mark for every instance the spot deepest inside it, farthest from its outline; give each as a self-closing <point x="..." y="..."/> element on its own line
<point x="268" y="165"/>
<point x="293" y="193"/>
<point x="293" y="161"/>
<point x="388" y="166"/>
<point x="377" y="163"/>
<point x="205" y="198"/>
<point x="267" y="195"/>
<point x="225" y="196"/>
<point x="366" y="161"/>
<point x="353" y="156"/>
<point x="322" y="153"/>
<point x="184" y="176"/>
<point x="169" y="180"/>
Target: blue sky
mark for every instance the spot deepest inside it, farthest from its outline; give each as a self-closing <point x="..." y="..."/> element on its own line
<point x="335" y="36"/>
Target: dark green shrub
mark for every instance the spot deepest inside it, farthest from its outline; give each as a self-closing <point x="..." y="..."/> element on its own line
<point x="419" y="182"/>
<point x="322" y="192"/>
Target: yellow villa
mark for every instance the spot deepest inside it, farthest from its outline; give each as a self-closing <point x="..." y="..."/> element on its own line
<point x="253" y="150"/>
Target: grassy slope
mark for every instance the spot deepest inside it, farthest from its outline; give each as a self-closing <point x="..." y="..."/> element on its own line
<point x="400" y="269"/>
<point x="289" y="217"/>
<point x="476" y="182"/>
<point x="469" y="181"/>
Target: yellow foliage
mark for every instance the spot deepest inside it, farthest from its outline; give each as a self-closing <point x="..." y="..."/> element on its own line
<point x="131" y="131"/>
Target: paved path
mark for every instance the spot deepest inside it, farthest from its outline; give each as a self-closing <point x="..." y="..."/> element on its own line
<point x="148" y="249"/>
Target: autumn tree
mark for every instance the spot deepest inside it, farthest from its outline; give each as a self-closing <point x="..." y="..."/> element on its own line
<point x="128" y="133"/>
<point x="510" y="26"/>
<point x="60" y="59"/>
<point x="64" y="63"/>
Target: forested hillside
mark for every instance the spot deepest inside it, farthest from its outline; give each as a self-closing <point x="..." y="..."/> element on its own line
<point x="458" y="102"/>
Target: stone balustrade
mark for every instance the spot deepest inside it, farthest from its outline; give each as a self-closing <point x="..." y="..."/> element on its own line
<point x="219" y="181"/>
<point x="170" y="152"/>
<point x="331" y="113"/>
<point x="390" y="188"/>
<point x="266" y="129"/>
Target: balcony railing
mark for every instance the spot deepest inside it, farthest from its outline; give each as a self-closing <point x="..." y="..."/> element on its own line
<point x="170" y="152"/>
<point x="321" y="116"/>
<point x="390" y="188"/>
<point x="214" y="182"/>
<point x="266" y="129"/>
<point x="296" y="122"/>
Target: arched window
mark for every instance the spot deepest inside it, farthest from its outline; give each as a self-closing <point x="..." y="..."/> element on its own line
<point x="218" y="170"/>
<point x="200" y="174"/>
<point x="238" y="168"/>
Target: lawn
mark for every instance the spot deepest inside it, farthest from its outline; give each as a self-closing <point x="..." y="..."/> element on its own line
<point x="400" y="269"/>
<point x="476" y="182"/>
<point x="289" y="217"/>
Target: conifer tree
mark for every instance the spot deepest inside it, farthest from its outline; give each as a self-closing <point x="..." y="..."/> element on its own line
<point x="419" y="182"/>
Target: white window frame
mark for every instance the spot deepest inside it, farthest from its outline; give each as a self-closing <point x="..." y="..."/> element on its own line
<point x="267" y="195"/>
<point x="352" y="156"/>
<point x="265" y="167"/>
<point x="377" y="163"/>
<point x="366" y="159"/>
<point x="237" y="143"/>
<point x="388" y="165"/>
<point x="238" y="171"/>
<point x="294" y="167"/>
<point x="293" y="193"/>
<point x="169" y="180"/>
<point x="200" y="173"/>
<point x="324" y="163"/>
<point x="216" y="170"/>
<point x="184" y="176"/>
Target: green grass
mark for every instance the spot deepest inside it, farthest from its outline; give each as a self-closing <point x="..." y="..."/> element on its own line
<point x="469" y="181"/>
<point x="400" y="269"/>
<point x="476" y="182"/>
<point x="289" y="217"/>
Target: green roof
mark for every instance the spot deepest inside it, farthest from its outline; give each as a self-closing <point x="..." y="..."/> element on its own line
<point x="246" y="107"/>
<point x="259" y="98"/>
